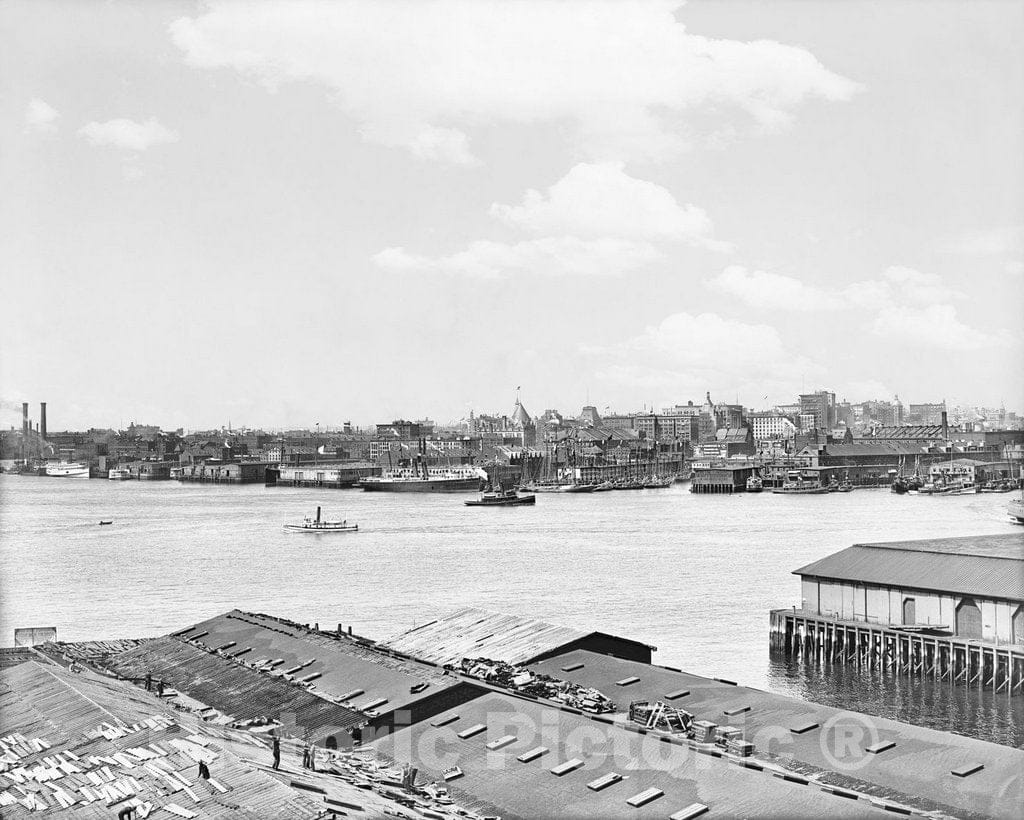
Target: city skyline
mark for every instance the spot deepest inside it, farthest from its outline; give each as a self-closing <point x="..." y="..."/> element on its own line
<point x="382" y="208"/>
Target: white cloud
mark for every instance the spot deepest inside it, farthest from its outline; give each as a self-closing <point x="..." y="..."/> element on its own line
<point x="685" y="353"/>
<point x="548" y="256"/>
<point x="994" y="241"/>
<point x="421" y="75"/>
<point x="934" y="326"/>
<point x="772" y="291"/>
<point x="595" y="221"/>
<point x="41" y="116"/>
<point x="128" y="134"/>
<point x="601" y="200"/>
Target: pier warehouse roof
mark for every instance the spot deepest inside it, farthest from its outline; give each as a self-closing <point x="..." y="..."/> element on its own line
<point x="249" y="665"/>
<point x="479" y="633"/>
<point x="83" y="735"/>
<point x="518" y="758"/>
<point x="987" y="566"/>
<point x="916" y="771"/>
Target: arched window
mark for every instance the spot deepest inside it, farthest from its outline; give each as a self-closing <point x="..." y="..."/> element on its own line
<point x="331" y="742"/>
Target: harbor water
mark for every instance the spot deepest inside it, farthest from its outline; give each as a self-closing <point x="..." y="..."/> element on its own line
<point x="694" y="575"/>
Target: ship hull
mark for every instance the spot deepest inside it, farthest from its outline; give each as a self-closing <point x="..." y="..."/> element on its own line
<point x="1015" y="509"/>
<point x="68" y="471"/>
<point x="427" y="485"/>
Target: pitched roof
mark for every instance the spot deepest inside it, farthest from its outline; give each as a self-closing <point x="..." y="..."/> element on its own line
<point x="913" y="431"/>
<point x="478" y="633"/>
<point x="82" y="717"/>
<point x="983" y="566"/>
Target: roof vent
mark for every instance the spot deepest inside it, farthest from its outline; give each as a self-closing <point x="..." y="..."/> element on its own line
<point x="568" y="766"/>
<point x="645" y="797"/>
<point x="604" y="782"/>
<point x="533" y="754"/>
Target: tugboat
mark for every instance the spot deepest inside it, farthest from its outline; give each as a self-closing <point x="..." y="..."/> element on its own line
<point x="501" y="498"/>
<point x="320" y="525"/>
<point x="755" y="484"/>
<point x="899" y="485"/>
<point x="796" y="484"/>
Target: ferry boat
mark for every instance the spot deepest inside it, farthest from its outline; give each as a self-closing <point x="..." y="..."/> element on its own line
<point x="67" y="469"/>
<point x="797" y="484"/>
<point x="461" y="479"/>
<point x="501" y="498"/>
<point x="120" y="474"/>
<point x="318" y="524"/>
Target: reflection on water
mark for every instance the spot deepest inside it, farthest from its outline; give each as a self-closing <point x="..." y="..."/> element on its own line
<point x="972" y="711"/>
<point x="694" y="575"/>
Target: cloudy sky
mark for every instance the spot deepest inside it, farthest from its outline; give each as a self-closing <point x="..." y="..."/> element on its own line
<point x="280" y="214"/>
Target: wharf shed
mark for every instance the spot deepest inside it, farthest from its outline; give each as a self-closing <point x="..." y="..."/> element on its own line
<point x="971" y="587"/>
<point x="721" y="478"/>
<point x="321" y="684"/>
<point x="829" y="744"/>
<point x="478" y="633"/>
<point x="234" y="689"/>
<point x="83" y="735"/>
<point x="518" y="758"/>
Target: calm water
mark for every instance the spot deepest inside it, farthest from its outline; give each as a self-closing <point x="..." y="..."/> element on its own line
<point x="693" y="575"/>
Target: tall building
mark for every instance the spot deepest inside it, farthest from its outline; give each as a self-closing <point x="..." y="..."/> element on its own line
<point x="822" y="405"/>
<point x="925" y="413"/>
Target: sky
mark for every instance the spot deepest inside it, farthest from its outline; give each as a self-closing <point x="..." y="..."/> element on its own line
<point x="284" y="214"/>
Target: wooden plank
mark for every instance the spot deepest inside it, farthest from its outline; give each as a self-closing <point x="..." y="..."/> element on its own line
<point x="604" y="781"/>
<point x="968" y="770"/>
<point x="878" y="748"/>
<point x="475" y="729"/>
<point x="678" y="693"/>
<point x="691" y="811"/>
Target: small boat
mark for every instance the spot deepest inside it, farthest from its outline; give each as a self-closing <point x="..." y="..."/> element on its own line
<point x="318" y="524"/>
<point x="754" y="484"/>
<point x="797" y="484"/>
<point x="604" y="487"/>
<point x="502" y="498"/>
<point x="104" y="523"/>
<point x="845" y="487"/>
<point x="1015" y="509"/>
<point x="900" y="486"/>
<point x="120" y="474"/>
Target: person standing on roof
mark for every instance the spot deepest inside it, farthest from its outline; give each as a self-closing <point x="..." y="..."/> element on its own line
<point x="204" y="770"/>
<point x="277" y="753"/>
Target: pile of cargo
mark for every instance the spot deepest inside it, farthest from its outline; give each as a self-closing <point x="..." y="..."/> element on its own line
<point x="661" y="716"/>
<point x="665" y="718"/>
<point x="520" y="679"/>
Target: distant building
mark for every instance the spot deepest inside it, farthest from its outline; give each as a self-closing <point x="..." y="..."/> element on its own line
<point x="821" y="405"/>
<point x="771" y="427"/>
<point x="399" y="429"/>
<point x="969" y="587"/>
<point x="589" y="417"/>
<point x="925" y="413"/>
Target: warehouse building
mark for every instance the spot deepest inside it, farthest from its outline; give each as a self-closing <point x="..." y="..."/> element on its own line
<point x="971" y="587"/>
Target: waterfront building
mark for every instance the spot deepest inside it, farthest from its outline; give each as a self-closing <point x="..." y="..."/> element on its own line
<point x="400" y="429"/>
<point x="969" y="587"/>
<point x="951" y="609"/>
<point x="459" y="684"/>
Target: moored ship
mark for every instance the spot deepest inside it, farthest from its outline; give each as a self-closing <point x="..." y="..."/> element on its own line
<point x="120" y="474"/>
<point x="1015" y="509"/>
<point x="461" y="479"/>
<point x="67" y="469"/>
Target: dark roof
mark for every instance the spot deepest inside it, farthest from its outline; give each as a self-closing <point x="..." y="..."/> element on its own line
<point x="989" y="566"/>
<point x="495" y="782"/>
<point x="915" y="772"/>
<point x="915" y="431"/>
<point x="233" y="688"/>
<point x="342" y="664"/>
<point x="871" y="448"/>
<point x="479" y="633"/>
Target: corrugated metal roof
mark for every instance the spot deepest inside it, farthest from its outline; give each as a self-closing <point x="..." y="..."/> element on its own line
<point x="981" y="566"/>
<point x="478" y="633"/>
<point x="233" y="688"/>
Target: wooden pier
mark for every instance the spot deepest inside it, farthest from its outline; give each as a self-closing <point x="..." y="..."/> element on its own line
<point x="999" y="668"/>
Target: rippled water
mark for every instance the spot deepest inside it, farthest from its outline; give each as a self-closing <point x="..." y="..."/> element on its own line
<point x="695" y="575"/>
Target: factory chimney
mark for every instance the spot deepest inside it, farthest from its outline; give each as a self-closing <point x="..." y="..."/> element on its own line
<point x="42" y="419"/>
<point x="24" y="430"/>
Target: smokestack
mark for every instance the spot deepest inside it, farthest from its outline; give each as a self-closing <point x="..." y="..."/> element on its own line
<point x="24" y="429"/>
<point x="945" y="426"/>
<point x="42" y="419"/>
